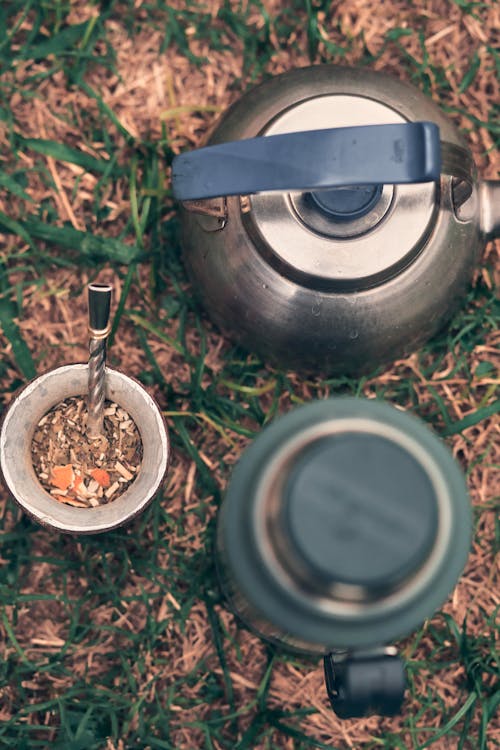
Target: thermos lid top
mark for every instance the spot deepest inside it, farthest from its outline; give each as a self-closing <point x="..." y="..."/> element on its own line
<point x="360" y="511"/>
<point x="346" y="524"/>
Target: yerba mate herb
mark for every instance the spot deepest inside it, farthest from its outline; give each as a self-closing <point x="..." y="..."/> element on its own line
<point x="80" y="471"/>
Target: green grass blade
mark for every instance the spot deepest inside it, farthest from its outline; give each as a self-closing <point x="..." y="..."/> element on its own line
<point x="145" y="323"/>
<point x="9" y="184"/>
<point x="298" y="735"/>
<point x="14" y="227"/>
<point x="89" y="245"/>
<point x="20" y="351"/>
<point x="121" y="304"/>
<point x="471" y="419"/>
<point x="57" y="44"/>
<point x="471" y="73"/>
<point x="62" y="152"/>
<point x="450" y="724"/>
<point x="8" y="37"/>
<point x="11" y="636"/>
<point x="107" y="111"/>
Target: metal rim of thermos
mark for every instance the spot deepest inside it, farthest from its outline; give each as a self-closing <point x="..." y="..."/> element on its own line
<point x="323" y="619"/>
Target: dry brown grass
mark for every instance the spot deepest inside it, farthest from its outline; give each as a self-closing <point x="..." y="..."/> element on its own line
<point x="146" y="90"/>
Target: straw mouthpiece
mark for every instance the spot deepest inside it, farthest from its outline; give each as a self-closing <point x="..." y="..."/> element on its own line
<point x="99" y="297"/>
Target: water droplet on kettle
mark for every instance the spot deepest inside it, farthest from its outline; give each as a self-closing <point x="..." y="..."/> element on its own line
<point x="353" y="335"/>
<point x="316" y="310"/>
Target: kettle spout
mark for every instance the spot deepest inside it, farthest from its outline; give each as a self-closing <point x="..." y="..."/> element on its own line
<point x="489" y="202"/>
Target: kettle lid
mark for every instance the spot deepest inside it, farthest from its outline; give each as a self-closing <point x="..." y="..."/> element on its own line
<point x="351" y="237"/>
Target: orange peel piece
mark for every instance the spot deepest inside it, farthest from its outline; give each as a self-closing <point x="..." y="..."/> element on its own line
<point x="77" y="482"/>
<point x="101" y="476"/>
<point x="62" y="476"/>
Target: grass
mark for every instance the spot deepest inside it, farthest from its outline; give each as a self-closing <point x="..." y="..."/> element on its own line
<point x="109" y="665"/>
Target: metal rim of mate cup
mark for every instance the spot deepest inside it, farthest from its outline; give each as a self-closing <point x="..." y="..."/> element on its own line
<point x="345" y="524"/>
<point x="19" y="424"/>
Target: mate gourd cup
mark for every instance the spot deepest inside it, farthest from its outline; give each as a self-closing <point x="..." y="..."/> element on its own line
<point x="19" y="424"/>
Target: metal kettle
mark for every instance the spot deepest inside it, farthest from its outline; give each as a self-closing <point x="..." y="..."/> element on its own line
<point x="348" y="234"/>
<point x="345" y="524"/>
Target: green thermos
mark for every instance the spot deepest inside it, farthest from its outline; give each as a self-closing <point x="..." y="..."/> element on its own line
<point x="345" y="525"/>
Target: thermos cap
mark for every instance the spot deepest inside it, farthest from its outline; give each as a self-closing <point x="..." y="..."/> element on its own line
<point x="346" y="524"/>
<point x="360" y="511"/>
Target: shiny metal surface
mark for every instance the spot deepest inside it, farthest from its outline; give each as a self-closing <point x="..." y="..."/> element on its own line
<point x="489" y="192"/>
<point x="339" y="599"/>
<point x="248" y="613"/>
<point x="99" y="301"/>
<point x="19" y="424"/>
<point x="367" y="258"/>
<point x="96" y="388"/>
<point x="312" y="304"/>
<point x="382" y="242"/>
<point x="295" y="326"/>
<point x="303" y="205"/>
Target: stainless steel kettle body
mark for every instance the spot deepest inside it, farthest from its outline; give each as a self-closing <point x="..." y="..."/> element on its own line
<point x="315" y="251"/>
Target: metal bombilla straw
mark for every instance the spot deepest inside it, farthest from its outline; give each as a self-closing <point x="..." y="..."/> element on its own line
<point x="99" y="301"/>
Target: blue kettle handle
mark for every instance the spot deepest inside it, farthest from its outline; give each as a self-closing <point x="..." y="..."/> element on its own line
<point x="311" y="160"/>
